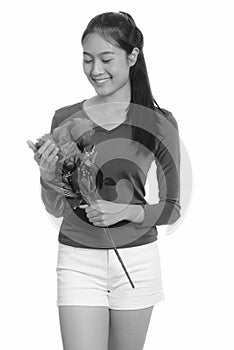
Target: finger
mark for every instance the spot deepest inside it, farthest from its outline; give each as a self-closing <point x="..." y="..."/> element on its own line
<point x="54" y="161"/>
<point x="52" y="155"/>
<point x="43" y="148"/>
<point x="52" y="165"/>
<point x="32" y="145"/>
<point x="50" y="148"/>
<point x="96" y="218"/>
<point x="90" y="210"/>
<point x="48" y="152"/>
<point x="92" y="216"/>
<point x="83" y="206"/>
<point x="95" y="206"/>
<point x="99" y="224"/>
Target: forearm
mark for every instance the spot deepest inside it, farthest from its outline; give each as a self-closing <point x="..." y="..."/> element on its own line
<point x="135" y="213"/>
<point x="151" y="215"/>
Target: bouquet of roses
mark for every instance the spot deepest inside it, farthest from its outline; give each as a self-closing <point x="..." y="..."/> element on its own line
<point x="75" y="175"/>
<point x="74" y="140"/>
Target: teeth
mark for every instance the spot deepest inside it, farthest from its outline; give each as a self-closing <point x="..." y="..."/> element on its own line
<point x="100" y="81"/>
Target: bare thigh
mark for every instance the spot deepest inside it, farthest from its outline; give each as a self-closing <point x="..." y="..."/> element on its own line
<point x="84" y="327"/>
<point x="128" y="328"/>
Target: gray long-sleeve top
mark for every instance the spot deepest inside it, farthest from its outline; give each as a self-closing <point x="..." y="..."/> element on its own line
<point x="124" y="171"/>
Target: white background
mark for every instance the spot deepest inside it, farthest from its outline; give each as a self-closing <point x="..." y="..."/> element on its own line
<point x="188" y="51"/>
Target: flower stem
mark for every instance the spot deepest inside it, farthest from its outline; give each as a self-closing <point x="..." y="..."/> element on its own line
<point x="118" y="256"/>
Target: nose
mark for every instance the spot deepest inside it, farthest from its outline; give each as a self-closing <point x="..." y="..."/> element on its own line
<point x="97" y="68"/>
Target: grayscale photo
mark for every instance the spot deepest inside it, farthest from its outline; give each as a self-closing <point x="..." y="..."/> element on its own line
<point x="119" y="116"/>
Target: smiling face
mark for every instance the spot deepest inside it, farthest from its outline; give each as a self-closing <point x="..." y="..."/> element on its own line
<point x="107" y="68"/>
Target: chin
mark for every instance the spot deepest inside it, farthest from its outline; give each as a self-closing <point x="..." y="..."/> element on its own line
<point x="103" y="93"/>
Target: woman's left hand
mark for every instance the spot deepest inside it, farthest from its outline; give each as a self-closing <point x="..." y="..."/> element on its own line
<point x="105" y="213"/>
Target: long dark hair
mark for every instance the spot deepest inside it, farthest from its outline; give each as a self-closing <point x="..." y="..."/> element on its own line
<point x="120" y="30"/>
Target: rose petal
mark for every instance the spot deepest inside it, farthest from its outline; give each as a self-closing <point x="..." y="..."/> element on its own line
<point x="81" y="126"/>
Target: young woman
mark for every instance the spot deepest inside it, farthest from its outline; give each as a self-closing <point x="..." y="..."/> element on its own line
<point x="98" y="308"/>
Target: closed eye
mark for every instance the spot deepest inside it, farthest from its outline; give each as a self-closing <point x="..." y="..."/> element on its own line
<point x="104" y="61"/>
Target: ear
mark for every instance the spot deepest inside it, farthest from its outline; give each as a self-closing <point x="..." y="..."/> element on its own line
<point x="132" y="58"/>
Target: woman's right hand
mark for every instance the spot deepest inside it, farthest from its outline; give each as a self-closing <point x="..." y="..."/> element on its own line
<point x="46" y="157"/>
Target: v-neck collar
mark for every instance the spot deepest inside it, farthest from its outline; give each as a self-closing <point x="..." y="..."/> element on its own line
<point x="99" y="126"/>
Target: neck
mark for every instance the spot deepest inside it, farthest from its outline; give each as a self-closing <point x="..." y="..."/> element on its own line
<point x="123" y="95"/>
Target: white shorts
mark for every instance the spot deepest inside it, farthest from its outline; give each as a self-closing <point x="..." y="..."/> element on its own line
<point x="95" y="277"/>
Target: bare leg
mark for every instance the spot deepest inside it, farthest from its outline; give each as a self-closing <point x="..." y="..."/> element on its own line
<point x="84" y="327"/>
<point x="128" y="328"/>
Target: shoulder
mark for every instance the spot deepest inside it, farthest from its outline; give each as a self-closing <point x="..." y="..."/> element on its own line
<point x="165" y="117"/>
<point x="70" y="109"/>
<point x="158" y="121"/>
<point x="62" y="113"/>
<point x="166" y="125"/>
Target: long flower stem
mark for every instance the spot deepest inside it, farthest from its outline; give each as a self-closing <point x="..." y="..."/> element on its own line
<point x="108" y="234"/>
<point x="107" y="231"/>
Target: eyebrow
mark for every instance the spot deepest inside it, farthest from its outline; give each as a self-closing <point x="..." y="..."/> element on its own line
<point x="101" y="53"/>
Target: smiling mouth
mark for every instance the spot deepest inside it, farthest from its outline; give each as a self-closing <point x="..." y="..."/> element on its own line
<point x="101" y="81"/>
